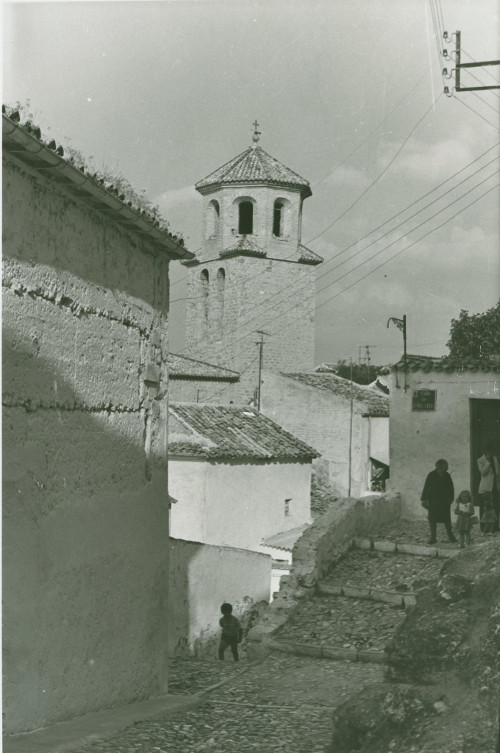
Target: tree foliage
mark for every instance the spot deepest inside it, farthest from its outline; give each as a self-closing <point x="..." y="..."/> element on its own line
<point x="475" y="335"/>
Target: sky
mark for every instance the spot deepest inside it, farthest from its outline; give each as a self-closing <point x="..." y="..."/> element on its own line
<point x="348" y="93"/>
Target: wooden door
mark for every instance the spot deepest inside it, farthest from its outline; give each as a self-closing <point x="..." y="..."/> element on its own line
<point x="484" y="427"/>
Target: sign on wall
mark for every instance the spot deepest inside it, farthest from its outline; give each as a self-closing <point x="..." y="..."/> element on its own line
<point x="423" y="400"/>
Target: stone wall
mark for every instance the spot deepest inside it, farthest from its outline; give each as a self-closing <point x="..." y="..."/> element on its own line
<point x="201" y="578"/>
<point x="260" y="294"/>
<point x="316" y="552"/>
<point x="85" y="511"/>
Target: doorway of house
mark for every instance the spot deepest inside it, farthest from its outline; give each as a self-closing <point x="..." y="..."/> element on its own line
<point x="484" y="427"/>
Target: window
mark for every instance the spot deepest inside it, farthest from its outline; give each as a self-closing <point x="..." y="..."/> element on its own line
<point x="221" y="283"/>
<point x="287" y="507"/>
<point x="245" y="218"/>
<point x="213" y="214"/>
<point x="278" y="217"/>
<point x="204" y="278"/>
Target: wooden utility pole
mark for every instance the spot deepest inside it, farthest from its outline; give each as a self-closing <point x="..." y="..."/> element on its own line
<point x="350" y="437"/>
<point x="260" y="343"/>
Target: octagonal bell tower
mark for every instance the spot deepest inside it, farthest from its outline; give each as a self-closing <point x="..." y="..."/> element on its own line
<point x="253" y="274"/>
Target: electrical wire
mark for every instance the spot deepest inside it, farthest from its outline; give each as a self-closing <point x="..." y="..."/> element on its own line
<point x="379" y="176"/>
<point x="488" y="72"/>
<point x="495" y="125"/>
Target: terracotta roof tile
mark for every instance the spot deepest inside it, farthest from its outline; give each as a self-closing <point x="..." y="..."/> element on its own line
<point x="448" y="364"/>
<point x="182" y="367"/>
<point x="309" y="257"/>
<point x="367" y="400"/>
<point x="245" y="246"/>
<point x="254" y="165"/>
<point x="232" y="433"/>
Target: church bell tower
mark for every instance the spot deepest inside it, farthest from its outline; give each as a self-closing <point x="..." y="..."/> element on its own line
<point x="253" y="275"/>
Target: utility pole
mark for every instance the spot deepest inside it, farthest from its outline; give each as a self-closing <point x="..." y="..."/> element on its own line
<point x="401" y="324"/>
<point x="350" y="437"/>
<point x="459" y="66"/>
<point x="260" y="343"/>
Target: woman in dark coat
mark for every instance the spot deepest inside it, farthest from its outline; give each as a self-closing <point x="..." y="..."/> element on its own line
<point x="437" y="498"/>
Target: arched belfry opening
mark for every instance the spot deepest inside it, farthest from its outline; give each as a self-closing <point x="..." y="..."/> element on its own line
<point x="221" y="284"/>
<point x="278" y="218"/>
<point x="204" y="282"/>
<point x="245" y="218"/>
<point x="213" y="218"/>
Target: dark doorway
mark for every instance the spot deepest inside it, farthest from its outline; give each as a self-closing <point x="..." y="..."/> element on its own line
<point x="484" y="427"/>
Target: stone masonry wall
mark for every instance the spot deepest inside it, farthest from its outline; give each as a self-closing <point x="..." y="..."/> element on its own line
<point x="260" y="294"/>
<point x="85" y="511"/>
<point x="315" y="553"/>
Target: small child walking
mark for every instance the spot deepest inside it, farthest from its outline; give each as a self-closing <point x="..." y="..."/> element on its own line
<point x="231" y="632"/>
<point x="489" y="515"/>
<point x="464" y="510"/>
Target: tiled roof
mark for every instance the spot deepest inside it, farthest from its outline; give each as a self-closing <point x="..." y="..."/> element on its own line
<point x="448" y="364"/>
<point x="182" y="367"/>
<point x="24" y="141"/>
<point x="366" y="400"/>
<point x="285" y="539"/>
<point x="245" y="246"/>
<point x="254" y="165"/>
<point x="228" y="432"/>
<point x="309" y="257"/>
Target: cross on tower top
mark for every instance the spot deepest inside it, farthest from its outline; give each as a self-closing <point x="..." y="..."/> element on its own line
<point x="256" y="132"/>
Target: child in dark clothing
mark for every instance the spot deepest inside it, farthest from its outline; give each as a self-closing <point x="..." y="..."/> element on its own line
<point x="231" y="632"/>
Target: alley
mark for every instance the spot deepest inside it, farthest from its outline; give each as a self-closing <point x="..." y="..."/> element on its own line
<point x="286" y="701"/>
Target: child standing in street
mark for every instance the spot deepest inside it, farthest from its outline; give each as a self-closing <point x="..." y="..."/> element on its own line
<point x="489" y="518"/>
<point x="231" y="632"/>
<point x="464" y="511"/>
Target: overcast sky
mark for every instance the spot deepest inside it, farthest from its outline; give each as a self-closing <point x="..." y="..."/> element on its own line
<point x="348" y="93"/>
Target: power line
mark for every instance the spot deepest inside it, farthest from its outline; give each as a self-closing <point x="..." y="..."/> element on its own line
<point x="398" y="253"/>
<point x="457" y="99"/>
<point x="380" y="175"/>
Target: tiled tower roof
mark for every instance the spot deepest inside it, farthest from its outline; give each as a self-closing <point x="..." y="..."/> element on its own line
<point x="254" y="165"/>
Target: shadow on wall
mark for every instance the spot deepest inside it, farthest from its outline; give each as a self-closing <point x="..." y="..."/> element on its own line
<point x="85" y="553"/>
<point x="202" y="577"/>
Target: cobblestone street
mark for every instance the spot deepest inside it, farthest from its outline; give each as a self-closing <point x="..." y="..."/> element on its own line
<point x="284" y="703"/>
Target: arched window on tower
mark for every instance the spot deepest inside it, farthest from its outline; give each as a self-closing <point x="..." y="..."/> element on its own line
<point x="204" y="278"/>
<point x="221" y="283"/>
<point x="245" y="218"/>
<point x="278" y="218"/>
<point x="213" y="214"/>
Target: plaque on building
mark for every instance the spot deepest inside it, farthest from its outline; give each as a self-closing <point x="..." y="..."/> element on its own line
<point x="423" y="400"/>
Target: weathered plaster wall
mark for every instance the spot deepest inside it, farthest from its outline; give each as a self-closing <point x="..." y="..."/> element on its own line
<point x="202" y="577"/>
<point x="322" y="419"/>
<point x="316" y="552"/>
<point x="85" y="514"/>
<point x="419" y="438"/>
<point x="237" y="505"/>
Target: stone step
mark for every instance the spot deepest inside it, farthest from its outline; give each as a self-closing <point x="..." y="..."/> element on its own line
<point x="325" y="651"/>
<point x="382" y="576"/>
<point x="423" y="550"/>
<point x="405" y="600"/>
<point x="342" y="624"/>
